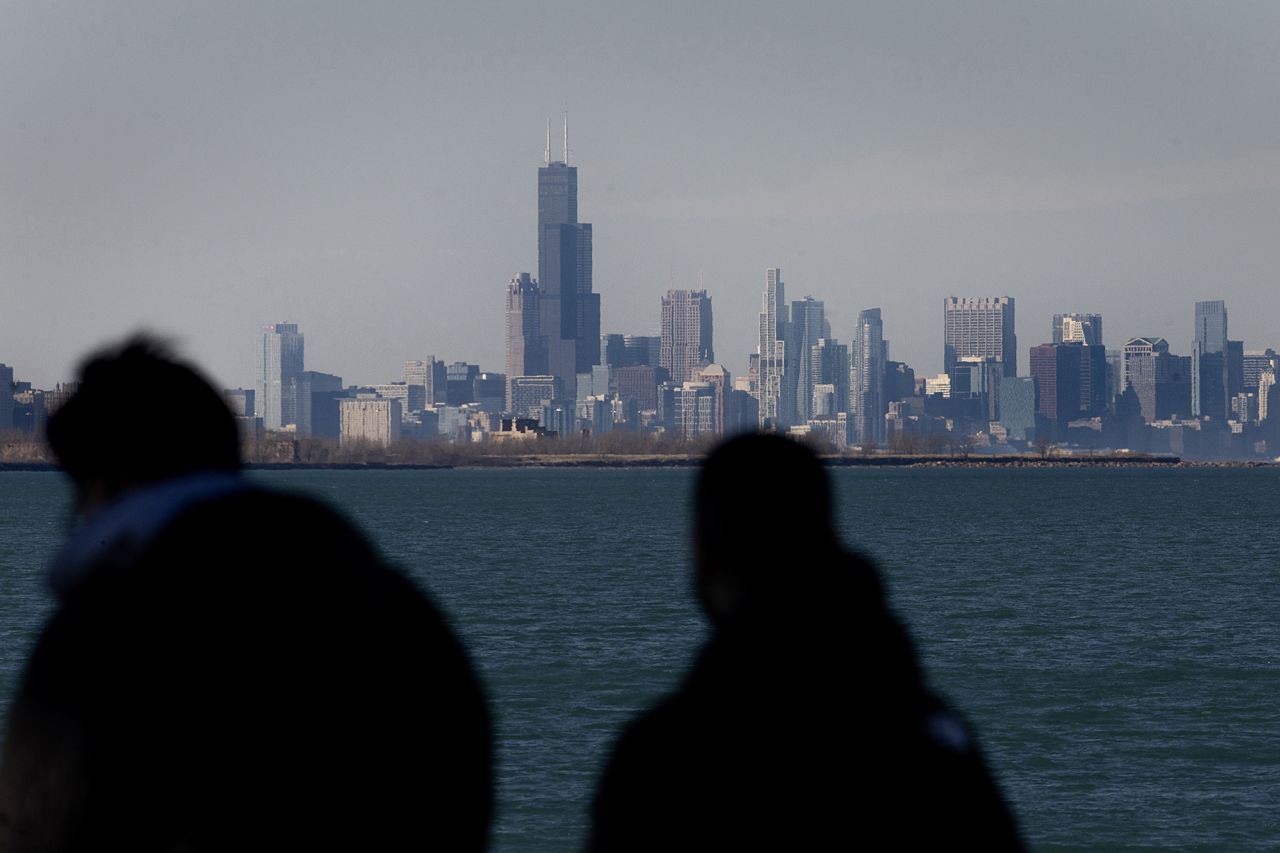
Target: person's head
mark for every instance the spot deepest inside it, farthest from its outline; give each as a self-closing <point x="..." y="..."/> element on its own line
<point x="763" y="522"/>
<point x="140" y="416"/>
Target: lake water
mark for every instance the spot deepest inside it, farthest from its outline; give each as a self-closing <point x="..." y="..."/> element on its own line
<point x="1113" y="635"/>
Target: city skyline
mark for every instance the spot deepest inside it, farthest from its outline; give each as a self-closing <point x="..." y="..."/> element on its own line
<point x="201" y="173"/>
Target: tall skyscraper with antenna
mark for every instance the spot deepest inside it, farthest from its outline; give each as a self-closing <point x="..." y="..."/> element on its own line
<point x="570" y="308"/>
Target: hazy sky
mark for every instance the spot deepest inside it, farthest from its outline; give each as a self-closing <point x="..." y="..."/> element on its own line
<point x="369" y="170"/>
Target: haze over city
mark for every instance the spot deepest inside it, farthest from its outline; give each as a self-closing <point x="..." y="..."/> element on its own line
<point x="370" y="174"/>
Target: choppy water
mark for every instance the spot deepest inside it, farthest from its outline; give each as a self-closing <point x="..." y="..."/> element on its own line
<point x="1113" y="635"/>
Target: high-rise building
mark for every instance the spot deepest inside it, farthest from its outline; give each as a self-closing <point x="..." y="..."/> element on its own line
<point x="370" y="420"/>
<point x="1161" y="381"/>
<point x="630" y="350"/>
<point x="1078" y="328"/>
<point x="639" y="384"/>
<point x="686" y="333"/>
<point x="1268" y="394"/>
<point x="808" y="326"/>
<point x="1056" y="370"/>
<point x="460" y="383"/>
<point x="829" y="365"/>
<point x="1017" y="407"/>
<point x="1209" y="373"/>
<point x="1253" y="364"/>
<point x="1235" y="368"/>
<point x="570" y="309"/>
<point x="528" y="393"/>
<point x="6" y="398"/>
<point x="310" y="384"/>
<point x="981" y="327"/>
<point x="526" y="345"/>
<point x="279" y="364"/>
<point x="696" y="409"/>
<point x="431" y="375"/>
<point x="867" y="405"/>
<point x="775" y="395"/>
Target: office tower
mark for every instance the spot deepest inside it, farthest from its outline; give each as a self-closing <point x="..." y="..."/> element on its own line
<point x="1268" y="395"/>
<point x="1161" y="381"/>
<point x="1056" y="370"/>
<point x="1017" y="407"/>
<point x="238" y="400"/>
<point x="528" y="393"/>
<point x="1115" y="370"/>
<point x="695" y="409"/>
<point x="1253" y="364"/>
<point x="1235" y="368"/>
<point x="899" y="381"/>
<point x="370" y="420"/>
<point x="774" y="393"/>
<point x="526" y="345"/>
<point x="1093" y="380"/>
<point x="982" y="327"/>
<point x="1209" y="362"/>
<point x="460" y="380"/>
<point x="398" y="391"/>
<point x="6" y="398"/>
<point x="613" y="350"/>
<point x="978" y="378"/>
<point x="808" y="326"/>
<point x="718" y="377"/>
<point x="639" y="384"/>
<point x="490" y="392"/>
<point x="570" y="317"/>
<point x="279" y="363"/>
<point x="1077" y="328"/>
<point x="867" y="405"/>
<point x="431" y="375"/>
<point x="311" y="383"/>
<point x="630" y="350"/>
<point x="686" y="333"/>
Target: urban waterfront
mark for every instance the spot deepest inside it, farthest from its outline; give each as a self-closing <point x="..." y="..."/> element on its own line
<point x="1113" y="635"/>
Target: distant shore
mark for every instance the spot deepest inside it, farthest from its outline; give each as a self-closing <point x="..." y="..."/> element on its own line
<point x="690" y="460"/>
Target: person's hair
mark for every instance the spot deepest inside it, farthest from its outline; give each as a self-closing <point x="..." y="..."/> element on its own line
<point x="762" y="514"/>
<point x="763" y="473"/>
<point x="140" y="415"/>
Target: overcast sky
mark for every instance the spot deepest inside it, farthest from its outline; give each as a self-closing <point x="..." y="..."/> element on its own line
<point x="369" y="170"/>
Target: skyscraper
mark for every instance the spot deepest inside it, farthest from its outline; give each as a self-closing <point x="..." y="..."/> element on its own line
<point x="981" y="327"/>
<point x="279" y="363"/>
<point x="1056" y="370"/>
<point x="1161" y="381"/>
<point x="570" y="317"/>
<point x="867" y="399"/>
<point x="775" y="395"/>
<point x="808" y="326"/>
<point x="1209" y="362"/>
<point x="1079" y="328"/>
<point x="686" y="333"/>
<point x="829" y="365"/>
<point x="526" y="345"/>
<point x="6" y="398"/>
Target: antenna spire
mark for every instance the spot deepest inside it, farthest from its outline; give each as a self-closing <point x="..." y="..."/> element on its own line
<point x="546" y="152"/>
<point x="566" y="137"/>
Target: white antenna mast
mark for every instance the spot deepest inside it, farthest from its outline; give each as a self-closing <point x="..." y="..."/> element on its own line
<point x="546" y="152"/>
<point x="566" y="137"/>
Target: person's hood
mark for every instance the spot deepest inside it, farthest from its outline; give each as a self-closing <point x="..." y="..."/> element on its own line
<point x="121" y="531"/>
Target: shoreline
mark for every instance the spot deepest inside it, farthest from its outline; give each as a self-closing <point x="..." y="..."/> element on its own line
<point x="693" y="460"/>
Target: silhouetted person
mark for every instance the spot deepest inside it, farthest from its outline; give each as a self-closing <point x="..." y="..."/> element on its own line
<point x="805" y="723"/>
<point x="228" y="667"/>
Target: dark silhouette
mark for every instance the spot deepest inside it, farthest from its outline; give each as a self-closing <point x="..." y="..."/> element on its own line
<point x="805" y="723"/>
<point x="228" y="668"/>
